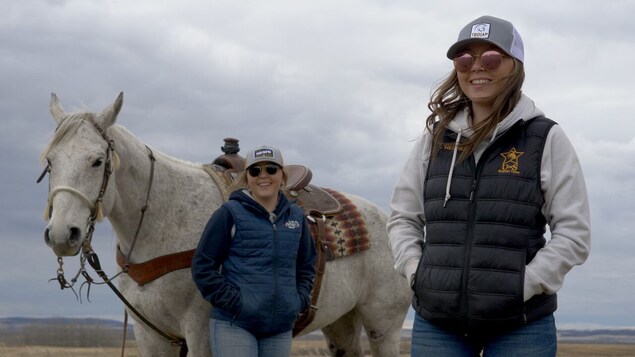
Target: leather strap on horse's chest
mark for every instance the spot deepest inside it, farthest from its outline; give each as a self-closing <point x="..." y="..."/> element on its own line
<point x="323" y="252"/>
<point x="148" y="271"/>
<point x="145" y="272"/>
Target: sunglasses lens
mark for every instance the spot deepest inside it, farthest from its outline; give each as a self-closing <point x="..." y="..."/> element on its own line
<point x="464" y="62"/>
<point x="491" y="60"/>
<point x="271" y="169"/>
<point x="254" y="171"/>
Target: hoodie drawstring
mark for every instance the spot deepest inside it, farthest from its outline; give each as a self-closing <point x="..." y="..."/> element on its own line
<point x="447" y="186"/>
<point x="494" y="134"/>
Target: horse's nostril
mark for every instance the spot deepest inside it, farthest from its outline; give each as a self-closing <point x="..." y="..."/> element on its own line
<point x="74" y="235"/>
<point x="47" y="239"/>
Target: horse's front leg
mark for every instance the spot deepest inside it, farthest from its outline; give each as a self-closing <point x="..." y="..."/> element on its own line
<point x="343" y="336"/>
<point x="150" y="344"/>
<point x="196" y="327"/>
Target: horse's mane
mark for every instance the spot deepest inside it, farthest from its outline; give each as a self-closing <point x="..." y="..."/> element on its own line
<point x="71" y="123"/>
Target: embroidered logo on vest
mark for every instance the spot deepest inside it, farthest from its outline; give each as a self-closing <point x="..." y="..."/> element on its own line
<point x="292" y="224"/>
<point x="450" y="147"/>
<point x="510" y="162"/>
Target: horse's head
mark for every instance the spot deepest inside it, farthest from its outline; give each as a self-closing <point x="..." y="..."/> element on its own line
<point x="79" y="159"/>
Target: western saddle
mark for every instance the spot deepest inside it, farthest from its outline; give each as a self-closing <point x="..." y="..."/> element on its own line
<point x="312" y="199"/>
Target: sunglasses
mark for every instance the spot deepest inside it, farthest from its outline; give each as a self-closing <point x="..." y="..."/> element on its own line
<point x="255" y="170"/>
<point x="490" y="60"/>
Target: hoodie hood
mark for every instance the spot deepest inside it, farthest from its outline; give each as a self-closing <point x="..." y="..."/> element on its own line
<point x="246" y="199"/>
<point x="524" y="110"/>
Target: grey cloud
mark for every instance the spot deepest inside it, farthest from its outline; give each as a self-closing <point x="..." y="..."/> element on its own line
<point x="340" y="87"/>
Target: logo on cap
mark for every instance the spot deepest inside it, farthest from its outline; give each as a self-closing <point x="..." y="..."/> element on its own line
<point x="480" y="31"/>
<point x="263" y="153"/>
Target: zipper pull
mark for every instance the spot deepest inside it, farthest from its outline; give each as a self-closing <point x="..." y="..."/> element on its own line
<point x="272" y="219"/>
<point x="472" y="189"/>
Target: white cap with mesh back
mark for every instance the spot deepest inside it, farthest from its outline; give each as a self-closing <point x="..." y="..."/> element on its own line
<point x="264" y="154"/>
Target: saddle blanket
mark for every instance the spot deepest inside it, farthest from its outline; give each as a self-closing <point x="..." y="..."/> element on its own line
<point x="346" y="231"/>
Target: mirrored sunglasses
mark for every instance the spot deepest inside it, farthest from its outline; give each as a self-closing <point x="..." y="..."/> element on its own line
<point x="490" y="60"/>
<point x="255" y="170"/>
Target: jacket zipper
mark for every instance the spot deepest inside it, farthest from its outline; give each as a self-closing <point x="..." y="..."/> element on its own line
<point x="478" y="168"/>
<point x="468" y="243"/>
<point x="272" y="218"/>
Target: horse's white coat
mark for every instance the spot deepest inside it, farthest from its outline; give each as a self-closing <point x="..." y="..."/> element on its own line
<point x="357" y="291"/>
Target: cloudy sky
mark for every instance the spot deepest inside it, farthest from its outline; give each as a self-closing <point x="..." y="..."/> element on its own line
<point x="339" y="86"/>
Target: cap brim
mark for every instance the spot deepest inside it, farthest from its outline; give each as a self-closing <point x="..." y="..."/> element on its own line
<point x="454" y="50"/>
<point x="271" y="161"/>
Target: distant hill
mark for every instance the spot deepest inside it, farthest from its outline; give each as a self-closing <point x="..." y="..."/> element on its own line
<point x="597" y="336"/>
<point x="95" y="332"/>
<point x="19" y="322"/>
<point x="59" y="331"/>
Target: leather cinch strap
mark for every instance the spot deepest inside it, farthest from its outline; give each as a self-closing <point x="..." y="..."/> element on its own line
<point x="322" y="252"/>
<point x="150" y="270"/>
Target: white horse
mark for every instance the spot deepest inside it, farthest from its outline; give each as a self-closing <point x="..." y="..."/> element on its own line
<point x="361" y="290"/>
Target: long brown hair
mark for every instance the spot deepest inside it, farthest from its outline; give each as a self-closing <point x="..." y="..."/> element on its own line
<point x="448" y="99"/>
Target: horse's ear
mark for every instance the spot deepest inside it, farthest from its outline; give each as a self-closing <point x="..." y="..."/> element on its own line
<point x="109" y="115"/>
<point x="56" y="109"/>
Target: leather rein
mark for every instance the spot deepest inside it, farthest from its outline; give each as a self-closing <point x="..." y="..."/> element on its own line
<point x="88" y="254"/>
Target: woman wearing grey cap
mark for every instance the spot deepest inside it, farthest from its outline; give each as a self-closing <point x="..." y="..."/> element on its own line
<point x="255" y="263"/>
<point x="471" y="207"/>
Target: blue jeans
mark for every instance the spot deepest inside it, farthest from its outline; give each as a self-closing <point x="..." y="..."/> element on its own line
<point x="229" y="340"/>
<point x="537" y="338"/>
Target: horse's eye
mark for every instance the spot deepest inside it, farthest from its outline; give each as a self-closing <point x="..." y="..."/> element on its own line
<point x="97" y="163"/>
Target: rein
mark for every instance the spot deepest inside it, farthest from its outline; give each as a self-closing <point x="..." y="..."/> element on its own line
<point x="89" y="255"/>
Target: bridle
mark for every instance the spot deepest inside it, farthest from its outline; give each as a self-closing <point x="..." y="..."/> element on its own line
<point x="108" y="169"/>
<point x="87" y="252"/>
<point x="95" y="212"/>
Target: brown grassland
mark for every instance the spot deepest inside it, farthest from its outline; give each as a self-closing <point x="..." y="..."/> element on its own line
<point x="300" y="348"/>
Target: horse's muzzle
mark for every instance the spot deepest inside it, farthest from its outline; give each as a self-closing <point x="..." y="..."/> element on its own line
<point x="67" y="244"/>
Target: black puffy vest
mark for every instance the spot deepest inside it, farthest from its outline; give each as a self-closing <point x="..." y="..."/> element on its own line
<point x="470" y="276"/>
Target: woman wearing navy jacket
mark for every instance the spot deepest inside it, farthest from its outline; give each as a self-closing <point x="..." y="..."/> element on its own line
<point x="255" y="263"/>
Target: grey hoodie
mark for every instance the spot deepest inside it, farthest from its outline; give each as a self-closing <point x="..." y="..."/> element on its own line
<point x="566" y="205"/>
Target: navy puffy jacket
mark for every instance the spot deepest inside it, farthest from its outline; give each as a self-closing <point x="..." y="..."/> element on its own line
<point x="261" y="278"/>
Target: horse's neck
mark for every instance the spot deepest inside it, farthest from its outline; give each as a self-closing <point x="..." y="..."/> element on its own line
<point x="181" y="198"/>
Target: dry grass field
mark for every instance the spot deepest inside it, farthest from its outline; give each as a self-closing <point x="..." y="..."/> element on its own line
<point x="300" y="348"/>
<point x="595" y="350"/>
